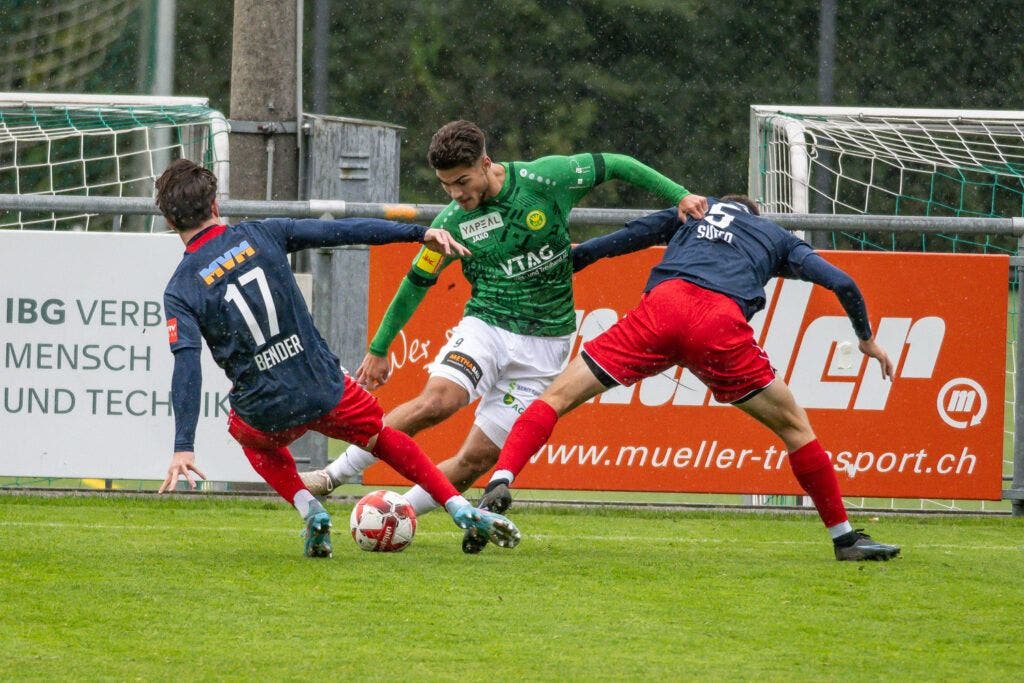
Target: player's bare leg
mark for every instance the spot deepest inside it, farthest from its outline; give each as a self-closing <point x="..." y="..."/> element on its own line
<point x="574" y="386"/>
<point x="776" y="408"/>
<point x="439" y="399"/>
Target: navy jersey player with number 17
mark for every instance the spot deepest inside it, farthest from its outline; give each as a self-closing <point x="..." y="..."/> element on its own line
<point x="235" y="289"/>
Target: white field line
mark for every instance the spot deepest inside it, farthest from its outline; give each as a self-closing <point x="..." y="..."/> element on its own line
<point x="562" y="538"/>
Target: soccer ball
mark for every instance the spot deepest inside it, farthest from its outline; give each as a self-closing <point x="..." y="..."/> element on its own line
<point x="383" y="521"/>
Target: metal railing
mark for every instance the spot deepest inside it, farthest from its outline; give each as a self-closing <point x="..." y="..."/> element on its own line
<point x="424" y="213"/>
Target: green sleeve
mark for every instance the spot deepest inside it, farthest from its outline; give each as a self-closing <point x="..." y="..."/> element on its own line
<point x="622" y="167"/>
<point x="401" y="308"/>
<point x="427" y="265"/>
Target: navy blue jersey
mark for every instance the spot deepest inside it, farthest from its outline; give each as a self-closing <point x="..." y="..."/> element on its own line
<point x="730" y="251"/>
<point x="235" y="289"/>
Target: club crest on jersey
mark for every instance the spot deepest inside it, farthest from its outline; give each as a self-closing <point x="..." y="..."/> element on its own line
<point x="222" y="264"/>
<point x="478" y="228"/>
<point x="536" y="219"/>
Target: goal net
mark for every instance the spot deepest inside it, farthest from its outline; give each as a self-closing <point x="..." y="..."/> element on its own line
<point x="101" y="145"/>
<point x="916" y="162"/>
<point x="57" y="44"/>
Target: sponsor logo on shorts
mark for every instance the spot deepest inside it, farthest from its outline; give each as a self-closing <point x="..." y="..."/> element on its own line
<point x="172" y="330"/>
<point x="478" y="228"/>
<point x="535" y="220"/>
<point x="429" y="261"/>
<point x="464" y="364"/>
<point x="511" y="400"/>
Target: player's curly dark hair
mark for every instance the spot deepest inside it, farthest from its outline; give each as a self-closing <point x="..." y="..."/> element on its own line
<point x="184" y="194"/>
<point x="456" y="143"/>
<point x="744" y="200"/>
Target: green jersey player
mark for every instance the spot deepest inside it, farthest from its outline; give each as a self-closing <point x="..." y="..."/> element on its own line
<point x="516" y="331"/>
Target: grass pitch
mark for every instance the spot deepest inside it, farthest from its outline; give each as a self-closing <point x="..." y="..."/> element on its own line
<point x="201" y="588"/>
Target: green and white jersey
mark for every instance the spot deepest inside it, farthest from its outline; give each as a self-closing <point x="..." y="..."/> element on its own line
<point x="520" y="270"/>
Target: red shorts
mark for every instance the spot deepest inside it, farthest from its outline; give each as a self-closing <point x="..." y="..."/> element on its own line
<point x="357" y="418"/>
<point x="679" y="323"/>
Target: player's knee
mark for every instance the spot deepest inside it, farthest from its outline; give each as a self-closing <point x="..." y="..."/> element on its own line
<point x="477" y="462"/>
<point x="433" y="407"/>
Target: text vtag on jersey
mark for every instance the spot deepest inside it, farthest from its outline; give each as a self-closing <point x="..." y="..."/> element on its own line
<point x="478" y="228"/>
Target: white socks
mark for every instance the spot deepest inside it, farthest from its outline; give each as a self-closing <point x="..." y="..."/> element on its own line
<point x="503" y="474"/>
<point x="454" y="503"/>
<point x="840" y="529"/>
<point x="303" y="499"/>
<point x="349" y="464"/>
<point x="421" y="501"/>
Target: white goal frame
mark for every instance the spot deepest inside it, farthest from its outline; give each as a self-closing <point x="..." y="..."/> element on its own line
<point x="791" y="193"/>
<point x="158" y="135"/>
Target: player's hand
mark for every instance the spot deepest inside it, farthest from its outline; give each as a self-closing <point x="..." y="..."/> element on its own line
<point x="373" y="372"/>
<point x="442" y="241"/>
<point x="693" y="205"/>
<point x="182" y="465"/>
<point x="869" y="347"/>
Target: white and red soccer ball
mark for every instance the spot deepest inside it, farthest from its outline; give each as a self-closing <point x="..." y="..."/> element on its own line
<point x="383" y="521"/>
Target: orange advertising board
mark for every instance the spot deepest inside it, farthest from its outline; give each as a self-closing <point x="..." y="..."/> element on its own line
<point x="935" y="431"/>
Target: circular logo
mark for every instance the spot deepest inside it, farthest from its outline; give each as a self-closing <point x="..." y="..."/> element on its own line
<point x="535" y="220"/>
<point x="962" y="403"/>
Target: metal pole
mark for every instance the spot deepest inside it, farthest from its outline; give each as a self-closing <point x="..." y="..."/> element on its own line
<point x="424" y="213"/>
<point x="1017" y="484"/>
<point x="300" y="165"/>
<point x="163" y="76"/>
<point x="263" y="90"/>
<point x="826" y="71"/>
<point x="321" y="51"/>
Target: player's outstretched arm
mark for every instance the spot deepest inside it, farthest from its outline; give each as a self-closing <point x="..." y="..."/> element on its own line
<point x="440" y="240"/>
<point x="182" y="465"/>
<point x="628" y="169"/>
<point x="694" y="205"/>
<point x="871" y="348"/>
<point x="374" y="371"/>
<point x="647" y="231"/>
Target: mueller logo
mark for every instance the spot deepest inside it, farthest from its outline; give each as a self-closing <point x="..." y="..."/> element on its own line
<point x="821" y="366"/>
<point x="962" y="403"/>
<point x="223" y="264"/>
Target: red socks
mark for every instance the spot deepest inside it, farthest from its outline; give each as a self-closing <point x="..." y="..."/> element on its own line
<point x="277" y="469"/>
<point x="814" y="471"/>
<point x="529" y="433"/>
<point x="409" y="460"/>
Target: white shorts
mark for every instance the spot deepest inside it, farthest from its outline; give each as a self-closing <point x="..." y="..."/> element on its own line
<point x="506" y="371"/>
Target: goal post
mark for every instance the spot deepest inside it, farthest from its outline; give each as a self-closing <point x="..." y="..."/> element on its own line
<point x="101" y="145"/>
<point x="927" y="162"/>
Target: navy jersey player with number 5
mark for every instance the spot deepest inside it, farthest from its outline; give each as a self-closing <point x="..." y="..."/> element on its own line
<point x="694" y="312"/>
<point x="235" y="290"/>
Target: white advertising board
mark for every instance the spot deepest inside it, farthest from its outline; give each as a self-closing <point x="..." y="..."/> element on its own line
<point x="85" y="368"/>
